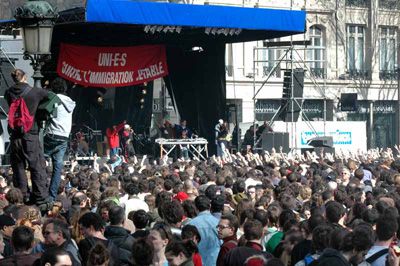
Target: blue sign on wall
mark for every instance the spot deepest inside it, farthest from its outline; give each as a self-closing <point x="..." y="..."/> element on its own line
<point x="339" y="137"/>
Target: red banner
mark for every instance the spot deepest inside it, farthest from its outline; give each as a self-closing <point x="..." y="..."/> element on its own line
<point x="94" y="66"/>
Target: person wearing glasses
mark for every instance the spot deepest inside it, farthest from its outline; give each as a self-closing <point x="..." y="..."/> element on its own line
<point x="251" y="192"/>
<point x="345" y="177"/>
<point x="56" y="233"/>
<point x="227" y="229"/>
<point x="253" y="233"/>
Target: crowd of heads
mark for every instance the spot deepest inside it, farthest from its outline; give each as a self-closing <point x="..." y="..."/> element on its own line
<point x="342" y="204"/>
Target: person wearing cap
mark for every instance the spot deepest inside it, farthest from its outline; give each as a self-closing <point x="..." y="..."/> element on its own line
<point x="127" y="139"/>
<point x="7" y="225"/>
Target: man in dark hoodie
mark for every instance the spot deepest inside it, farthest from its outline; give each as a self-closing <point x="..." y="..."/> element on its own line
<point x="25" y="147"/>
<point x="57" y="134"/>
<point x="119" y="235"/>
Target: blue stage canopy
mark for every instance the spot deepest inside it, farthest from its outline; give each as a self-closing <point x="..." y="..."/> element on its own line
<point x="186" y="15"/>
<point x="123" y="22"/>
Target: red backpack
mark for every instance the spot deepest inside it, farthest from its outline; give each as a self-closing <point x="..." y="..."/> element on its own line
<point x="19" y="118"/>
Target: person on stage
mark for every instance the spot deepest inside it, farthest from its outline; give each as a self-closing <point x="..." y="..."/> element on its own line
<point x="264" y="128"/>
<point x="221" y="132"/>
<point x="127" y="139"/>
<point x="167" y="130"/>
<point x="113" y="138"/>
<point x="182" y="127"/>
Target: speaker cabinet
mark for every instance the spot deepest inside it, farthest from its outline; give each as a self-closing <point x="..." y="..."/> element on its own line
<point x="275" y="140"/>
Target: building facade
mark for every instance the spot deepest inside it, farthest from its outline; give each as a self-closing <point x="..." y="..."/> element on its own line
<point x="353" y="49"/>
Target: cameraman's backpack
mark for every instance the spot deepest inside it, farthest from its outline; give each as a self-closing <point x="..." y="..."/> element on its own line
<point x="47" y="109"/>
<point x="19" y="118"/>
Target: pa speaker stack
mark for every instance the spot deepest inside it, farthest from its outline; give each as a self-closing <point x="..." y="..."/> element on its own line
<point x="275" y="140"/>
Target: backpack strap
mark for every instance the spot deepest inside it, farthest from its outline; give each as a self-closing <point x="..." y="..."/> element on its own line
<point x="377" y="255"/>
<point x="26" y="91"/>
<point x="308" y="259"/>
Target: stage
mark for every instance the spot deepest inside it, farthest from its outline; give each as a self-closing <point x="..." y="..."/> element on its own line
<point x="195" y="80"/>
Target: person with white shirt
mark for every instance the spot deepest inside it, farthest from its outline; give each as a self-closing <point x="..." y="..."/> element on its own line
<point x="134" y="203"/>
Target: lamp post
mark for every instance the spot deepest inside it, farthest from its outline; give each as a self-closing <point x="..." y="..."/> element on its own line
<point x="398" y="106"/>
<point x="36" y="19"/>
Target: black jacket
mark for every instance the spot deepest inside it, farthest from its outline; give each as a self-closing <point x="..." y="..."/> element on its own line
<point x="32" y="99"/>
<point x="332" y="257"/>
<point x="85" y="245"/>
<point x="123" y="240"/>
<point x="238" y="255"/>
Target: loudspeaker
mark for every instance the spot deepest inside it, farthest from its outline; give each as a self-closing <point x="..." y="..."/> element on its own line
<point x="290" y="110"/>
<point x="298" y="83"/>
<point x="275" y="140"/>
<point x="325" y="141"/>
<point x="348" y="102"/>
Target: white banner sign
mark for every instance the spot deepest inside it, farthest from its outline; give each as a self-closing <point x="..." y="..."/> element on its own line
<point x="347" y="136"/>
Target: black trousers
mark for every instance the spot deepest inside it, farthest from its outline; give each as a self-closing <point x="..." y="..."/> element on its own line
<point x="27" y="152"/>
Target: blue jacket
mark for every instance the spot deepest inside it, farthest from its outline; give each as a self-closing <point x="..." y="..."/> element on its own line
<point x="210" y="244"/>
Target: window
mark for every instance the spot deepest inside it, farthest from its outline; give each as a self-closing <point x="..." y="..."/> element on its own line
<point x="355" y="50"/>
<point x="269" y="56"/>
<point x="316" y="52"/>
<point x="357" y="3"/>
<point x="389" y="4"/>
<point x="387" y="52"/>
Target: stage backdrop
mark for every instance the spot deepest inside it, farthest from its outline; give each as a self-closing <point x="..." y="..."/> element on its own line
<point x="196" y="80"/>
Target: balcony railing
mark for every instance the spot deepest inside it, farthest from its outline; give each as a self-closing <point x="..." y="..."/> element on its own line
<point x="267" y="69"/>
<point x="357" y="3"/>
<point x="388" y="75"/>
<point x="358" y="74"/>
<point x="318" y="73"/>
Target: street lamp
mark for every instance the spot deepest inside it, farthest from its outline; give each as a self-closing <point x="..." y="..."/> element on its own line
<point x="36" y="19"/>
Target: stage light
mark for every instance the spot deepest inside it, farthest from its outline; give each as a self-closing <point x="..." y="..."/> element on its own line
<point x="154" y="28"/>
<point x="220" y="31"/>
<point x="197" y="49"/>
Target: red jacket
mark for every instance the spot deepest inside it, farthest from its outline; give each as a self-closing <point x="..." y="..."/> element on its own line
<point x="113" y="137"/>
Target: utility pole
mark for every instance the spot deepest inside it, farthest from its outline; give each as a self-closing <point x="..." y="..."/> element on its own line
<point x="398" y="106"/>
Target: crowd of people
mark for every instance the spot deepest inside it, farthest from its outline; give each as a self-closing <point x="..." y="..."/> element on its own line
<point x="234" y="209"/>
<point x="251" y="209"/>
